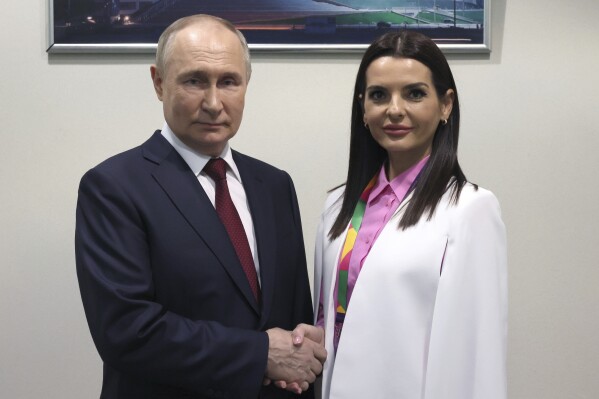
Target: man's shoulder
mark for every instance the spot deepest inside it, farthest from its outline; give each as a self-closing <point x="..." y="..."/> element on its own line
<point x="127" y="159"/>
<point x="123" y="158"/>
<point x="128" y="164"/>
<point x="258" y="166"/>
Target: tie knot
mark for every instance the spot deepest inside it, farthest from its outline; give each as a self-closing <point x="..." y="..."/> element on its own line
<point x="216" y="168"/>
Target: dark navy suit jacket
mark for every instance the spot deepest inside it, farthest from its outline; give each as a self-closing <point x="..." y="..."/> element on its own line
<point x="167" y="302"/>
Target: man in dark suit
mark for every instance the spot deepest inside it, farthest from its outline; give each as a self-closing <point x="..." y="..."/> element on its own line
<point x="191" y="280"/>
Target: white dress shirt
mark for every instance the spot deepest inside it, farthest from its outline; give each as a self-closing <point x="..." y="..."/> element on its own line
<point x="196" y="163"/>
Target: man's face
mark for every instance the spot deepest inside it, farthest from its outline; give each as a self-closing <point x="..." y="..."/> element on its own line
<point x="203" y="86"/>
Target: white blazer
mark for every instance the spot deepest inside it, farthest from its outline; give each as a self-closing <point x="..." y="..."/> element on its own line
<point x="428" y="315"/>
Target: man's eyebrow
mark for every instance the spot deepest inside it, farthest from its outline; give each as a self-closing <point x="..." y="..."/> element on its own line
<point x="234" y="74"/>
<point x="194" y="72"/>
<point x="202" y="74"/>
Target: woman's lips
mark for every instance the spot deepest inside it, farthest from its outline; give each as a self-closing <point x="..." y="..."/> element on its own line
<point x="397" y="130"/>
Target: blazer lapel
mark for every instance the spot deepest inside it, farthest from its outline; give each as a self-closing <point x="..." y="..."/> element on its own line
<point x="187" y="194"/>
<point x="263" y="217"/>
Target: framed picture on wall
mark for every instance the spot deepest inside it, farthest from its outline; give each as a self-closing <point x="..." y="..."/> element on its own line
<point x="112" y="26"/>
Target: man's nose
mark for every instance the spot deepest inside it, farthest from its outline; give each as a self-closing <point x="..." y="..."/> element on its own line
<point x="212" y="103"/>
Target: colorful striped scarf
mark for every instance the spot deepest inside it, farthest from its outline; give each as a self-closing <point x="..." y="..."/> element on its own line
<point x="343" y="268"/>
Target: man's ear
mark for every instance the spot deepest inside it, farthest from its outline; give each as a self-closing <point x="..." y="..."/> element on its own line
<point x="157" y="80"/>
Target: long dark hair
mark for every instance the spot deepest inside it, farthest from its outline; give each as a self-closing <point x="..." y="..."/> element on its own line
<point x="442" y="171"/>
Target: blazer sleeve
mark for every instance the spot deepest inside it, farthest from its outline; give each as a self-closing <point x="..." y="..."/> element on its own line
<point x="318" y="265"/>
<point x="133" y="333"/>
<point x="467" y="352"/>
<point x="327" y="218"/>
<point x="303" y="297"/>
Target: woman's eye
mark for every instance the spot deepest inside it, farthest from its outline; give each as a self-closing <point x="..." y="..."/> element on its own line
<point x="376" y="95"/>
<point x="193" y="81"/>
<point x="416" y="94"/>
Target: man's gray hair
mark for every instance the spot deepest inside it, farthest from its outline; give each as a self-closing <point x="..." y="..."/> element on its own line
<point x="165" y="43"/>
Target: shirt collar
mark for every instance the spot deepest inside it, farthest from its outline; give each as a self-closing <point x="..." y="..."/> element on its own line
<point x="400" y="184"/>
<point x="195" y="160"/>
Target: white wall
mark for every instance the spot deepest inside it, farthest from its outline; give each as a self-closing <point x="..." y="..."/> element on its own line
<point x="529" y="134"/>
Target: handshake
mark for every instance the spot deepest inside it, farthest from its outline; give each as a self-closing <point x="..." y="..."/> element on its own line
<point x="295" y="358"/>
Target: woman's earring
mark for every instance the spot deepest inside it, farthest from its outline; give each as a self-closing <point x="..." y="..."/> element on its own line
<point x="444" y="122"/>
<point x="366" y="125"/>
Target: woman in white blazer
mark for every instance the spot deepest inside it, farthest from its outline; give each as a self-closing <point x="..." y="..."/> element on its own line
<point x="410" y="263"/>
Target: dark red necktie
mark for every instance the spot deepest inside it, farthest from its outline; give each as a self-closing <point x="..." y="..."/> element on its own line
<point x="216" y="169"/>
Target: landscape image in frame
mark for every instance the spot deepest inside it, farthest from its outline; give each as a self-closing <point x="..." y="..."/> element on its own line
<point x="319" y="25"/>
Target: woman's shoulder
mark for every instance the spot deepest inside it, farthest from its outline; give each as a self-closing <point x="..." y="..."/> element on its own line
<point x="474" y="192"/>
<point x="335" y="195"/>
<point x="332" y="204"/>
<point x="474" y="198"/>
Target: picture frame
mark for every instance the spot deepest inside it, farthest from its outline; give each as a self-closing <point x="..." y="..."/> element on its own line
<point x="133" y="26"/>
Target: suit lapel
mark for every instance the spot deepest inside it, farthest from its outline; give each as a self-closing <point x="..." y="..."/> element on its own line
<point x="262" y="209"/>
<point x="188" y="196"/>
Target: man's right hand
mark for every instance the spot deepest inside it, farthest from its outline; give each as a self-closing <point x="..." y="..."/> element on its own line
<point x="293" y="363"/>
